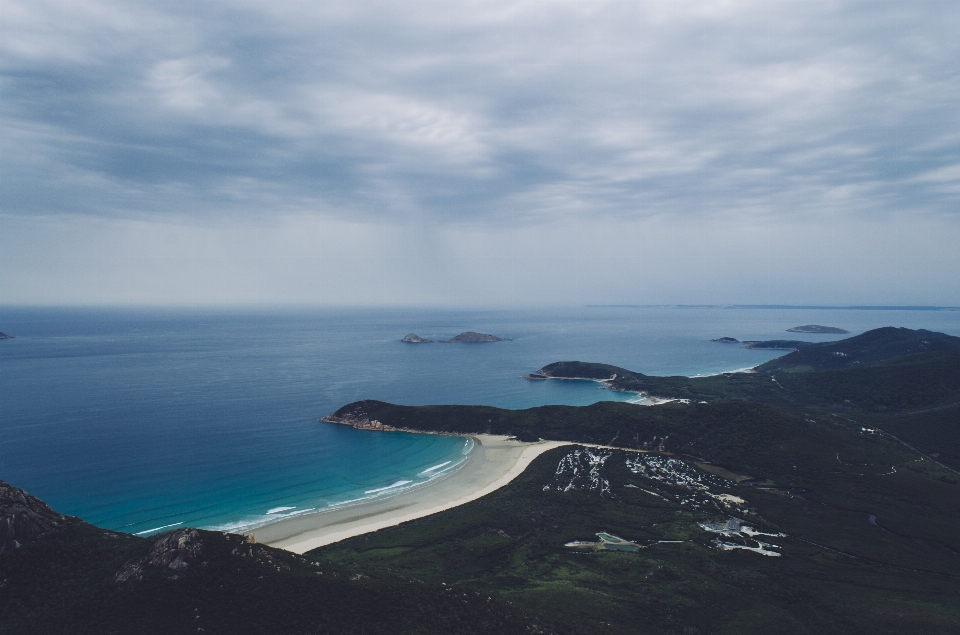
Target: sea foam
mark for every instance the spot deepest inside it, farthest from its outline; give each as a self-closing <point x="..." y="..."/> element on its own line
<point x="435" y="467"/>
<point x="147" y="531"/>
<point x="388" y="487"/>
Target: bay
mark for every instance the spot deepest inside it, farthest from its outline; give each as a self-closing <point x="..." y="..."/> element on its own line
<point x="138" y="419"/>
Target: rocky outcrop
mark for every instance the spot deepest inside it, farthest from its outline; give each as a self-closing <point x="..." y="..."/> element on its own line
<point x="173" y="551"/>
<point x="24" y="518"/>
<point x="4" y="336"/>
<point x="357" y="420"/>
<point x="413" y="338"/>
<point x="816" y="328"/>
<point x="726" y="340"/>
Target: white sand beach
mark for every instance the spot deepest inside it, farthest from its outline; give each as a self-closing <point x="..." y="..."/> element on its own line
<point x="493" y="462"/>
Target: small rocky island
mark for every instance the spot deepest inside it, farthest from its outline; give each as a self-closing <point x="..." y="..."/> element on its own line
<point x="413" y="338"/>
<point x="816" y="328"/>
<point x="467" y="337"/>
<point x="4" y="336"/>
<point x="792" y="345"/>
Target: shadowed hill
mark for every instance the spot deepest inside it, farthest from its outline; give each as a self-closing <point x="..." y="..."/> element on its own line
<point x="761" y="439"/>
<point x="63" y="575"/>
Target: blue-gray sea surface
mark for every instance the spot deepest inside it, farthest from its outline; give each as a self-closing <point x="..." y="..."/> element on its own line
<point x="141" y="419"/>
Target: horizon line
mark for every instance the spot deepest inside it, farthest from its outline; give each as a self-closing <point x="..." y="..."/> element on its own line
<point x="776" y="306"/>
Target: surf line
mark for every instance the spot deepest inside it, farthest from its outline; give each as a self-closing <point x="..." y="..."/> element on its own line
<point x="435" y="467"/>
<point x="140" y="533"/>
<point x="383" y="489"/>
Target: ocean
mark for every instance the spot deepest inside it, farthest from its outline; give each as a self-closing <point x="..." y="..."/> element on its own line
<point x="139" y="420"/>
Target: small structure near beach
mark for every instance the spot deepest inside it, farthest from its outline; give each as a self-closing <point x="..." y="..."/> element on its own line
<point x="607" y="542"/>
<point x="736" y="528"/>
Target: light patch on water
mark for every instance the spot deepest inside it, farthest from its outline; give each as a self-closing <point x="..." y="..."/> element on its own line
<point x="276" y="510"/>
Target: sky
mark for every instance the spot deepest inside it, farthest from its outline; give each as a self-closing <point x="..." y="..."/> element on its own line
<point x="479" y="153"/>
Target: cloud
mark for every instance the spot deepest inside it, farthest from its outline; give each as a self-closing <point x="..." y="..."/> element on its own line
<point x="462" y="141"/>
<point x="482" y="112"/>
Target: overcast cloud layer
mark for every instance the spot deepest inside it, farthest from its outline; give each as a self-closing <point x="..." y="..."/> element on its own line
<point x="480" y="152"/>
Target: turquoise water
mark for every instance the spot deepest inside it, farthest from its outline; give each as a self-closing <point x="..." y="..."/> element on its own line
<point x="141" y="419"/>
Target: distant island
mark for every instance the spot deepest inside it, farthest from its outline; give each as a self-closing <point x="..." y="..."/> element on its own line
<point x="4" y="336"/>
<point x="766" y="344"/>
<point x="779" y="344"/>
<point x="467" y="337"/>
<point x="816" y="328"/>
<point x="413" y="338"/>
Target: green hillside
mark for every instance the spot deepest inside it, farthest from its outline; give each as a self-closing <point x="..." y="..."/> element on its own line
<point x="870" y="347"/>
<point x="836" y="573"/>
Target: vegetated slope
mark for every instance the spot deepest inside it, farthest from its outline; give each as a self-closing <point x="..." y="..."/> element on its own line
<point x="837" y="572"/>
<point x="760" y="439"/>
<point x="870" y="347"/>
<point x="67" y="576"/>
<point x="899" y="384"/>
<point x="892" y="388"/>
<point x="902" y="384"/>
<point x="871" y="544"/>
<point x="935" y="432"/>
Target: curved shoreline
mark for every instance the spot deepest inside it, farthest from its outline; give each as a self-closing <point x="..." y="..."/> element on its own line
<point x="494" y="462"/>
<point x="646" y="398"/>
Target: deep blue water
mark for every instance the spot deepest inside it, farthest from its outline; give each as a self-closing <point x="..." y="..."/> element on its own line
<point x="139" y="419"/>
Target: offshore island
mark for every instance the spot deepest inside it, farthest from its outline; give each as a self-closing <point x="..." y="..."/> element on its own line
<point x="819" y="493"/>
<point x="816" y="328"/>
<point x="467" y="337"/>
